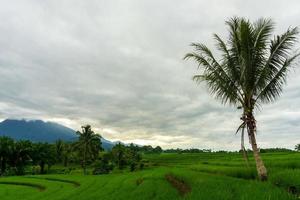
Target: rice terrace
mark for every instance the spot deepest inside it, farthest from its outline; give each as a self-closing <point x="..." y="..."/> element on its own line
<point x="150" y="100"/>
<point x="207" y="175"/>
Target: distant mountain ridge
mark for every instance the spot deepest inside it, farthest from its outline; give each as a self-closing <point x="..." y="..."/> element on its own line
<point x="40" y="131"/>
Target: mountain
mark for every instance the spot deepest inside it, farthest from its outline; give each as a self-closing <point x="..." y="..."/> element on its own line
<point x="40" y="131"/>
<point x="106" y="144"/>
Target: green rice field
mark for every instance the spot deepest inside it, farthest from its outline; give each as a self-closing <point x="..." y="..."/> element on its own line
<point x="171" y="176"/>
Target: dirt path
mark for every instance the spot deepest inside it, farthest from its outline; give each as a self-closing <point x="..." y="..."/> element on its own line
<point x="181" y="186"/>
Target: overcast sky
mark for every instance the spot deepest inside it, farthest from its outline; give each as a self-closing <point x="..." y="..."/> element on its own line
<point x="117" y="65"/>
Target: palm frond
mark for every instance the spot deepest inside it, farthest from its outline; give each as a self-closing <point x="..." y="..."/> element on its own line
<point x="274" y="88"/>
<point x="263" y="30"/>
<point x="219" y="88"/>
<point x="228" y="61"/>
<point x="234" y="42"/>
<point x="216" y="78"/>
<point x="279" y="52"/>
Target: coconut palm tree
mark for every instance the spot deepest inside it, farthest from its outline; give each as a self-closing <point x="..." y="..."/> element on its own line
<point x="21" y="155"/>
<point x="43" y="154"/>
<point x="67" y="153"/>
<point x="89" y="145"/>
<point x="59" y="148"/>
<point x="252" y="70"/>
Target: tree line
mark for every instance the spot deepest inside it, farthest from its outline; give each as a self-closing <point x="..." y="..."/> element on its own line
<point x="24" y="156"/>
<point x="262" y="150"/>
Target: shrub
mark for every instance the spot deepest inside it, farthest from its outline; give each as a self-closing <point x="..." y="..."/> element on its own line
<point x="103" y="165"/>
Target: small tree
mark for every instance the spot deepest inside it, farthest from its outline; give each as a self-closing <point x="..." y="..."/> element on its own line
<point x="43" y="154"/>
<point x="157" y="149"/>
<point x="103" y="165"/>
<point x="67" y="153"/>
<point x="59" y="149"/>
<point x="89" y="145"/>
<point x="119" y="155"/>
<point x="297" y="147"/>
<point x="134" y="157"/>
<point x="21" y="155"/>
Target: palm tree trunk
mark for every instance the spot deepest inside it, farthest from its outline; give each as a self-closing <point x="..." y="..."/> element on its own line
<point x="65" y="161"/>
<point x="261" y="169"/>
<point x="3" y="165"/>
<point x="84" y="160"/>
<point x="42" y="166"/>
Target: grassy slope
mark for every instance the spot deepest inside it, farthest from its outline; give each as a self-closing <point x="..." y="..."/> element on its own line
<point x="211" y="176"/>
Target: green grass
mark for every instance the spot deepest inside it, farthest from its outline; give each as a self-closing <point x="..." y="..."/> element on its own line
<point x="209" y="175"/>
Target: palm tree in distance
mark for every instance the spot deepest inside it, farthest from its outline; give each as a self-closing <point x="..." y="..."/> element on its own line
<point x="89" y="145"/>
<point x="59" y="148"/>
<point x="252" y="70"/>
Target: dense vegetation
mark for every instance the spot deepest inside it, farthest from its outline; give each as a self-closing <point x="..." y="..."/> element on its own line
<point x="26" y="157"/>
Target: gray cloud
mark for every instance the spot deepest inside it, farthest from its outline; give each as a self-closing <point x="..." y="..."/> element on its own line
<point x="118" y="66"/>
